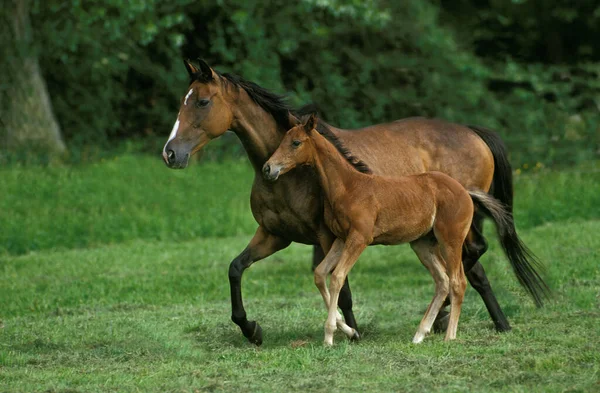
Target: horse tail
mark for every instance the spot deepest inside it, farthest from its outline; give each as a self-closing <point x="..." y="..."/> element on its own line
<point x="502" y="182"/>
<point x="522" y="260"/>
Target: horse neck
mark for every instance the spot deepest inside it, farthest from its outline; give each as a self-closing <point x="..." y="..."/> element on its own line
<point x="257" y="130"/>
<point x="334" y="171"/>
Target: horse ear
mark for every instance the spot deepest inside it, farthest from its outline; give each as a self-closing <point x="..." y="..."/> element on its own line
<point x="311" y="123"/>
<point x="205" y="70"/>
<point x="191" y="69"/>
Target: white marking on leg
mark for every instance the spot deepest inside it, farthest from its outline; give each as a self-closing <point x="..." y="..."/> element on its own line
<point x="173" y="134"/>
<point x="188" y="96"/>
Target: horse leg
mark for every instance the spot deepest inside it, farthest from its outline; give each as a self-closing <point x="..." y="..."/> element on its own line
<point x="475" y="247"/>
<point x="345" y="302"/>
<point x="472" y="248"/>
<point x="429" y="254"/>
<point x="351" y="250"/>
<point x="320" y="276"/>
<point x="261" y="246"/>
<point x="458" y="284"/>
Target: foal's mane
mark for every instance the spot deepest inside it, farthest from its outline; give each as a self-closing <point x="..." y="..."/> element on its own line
<point x="356" y="162"/>
<point x="277" y="106"/>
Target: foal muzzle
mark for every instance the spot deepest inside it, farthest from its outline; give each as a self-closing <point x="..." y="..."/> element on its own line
<point x="270" y="173"/>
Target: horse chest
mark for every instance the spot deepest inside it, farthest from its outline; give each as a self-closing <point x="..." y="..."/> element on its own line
<point x="288" y="208"/>
<point x="336" y="219"/>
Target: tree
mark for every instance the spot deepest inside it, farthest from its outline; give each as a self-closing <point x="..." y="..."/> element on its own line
<point x="27" y="122"/>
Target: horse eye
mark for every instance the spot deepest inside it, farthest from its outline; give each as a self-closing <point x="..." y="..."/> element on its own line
<point x="202" y="103"/>
<point x="296" y="143"/>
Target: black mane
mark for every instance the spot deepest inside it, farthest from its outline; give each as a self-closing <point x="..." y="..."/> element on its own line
<point x="274" y="104"/>
<point x="356" y="162"/>
<point x="278" y="107"/>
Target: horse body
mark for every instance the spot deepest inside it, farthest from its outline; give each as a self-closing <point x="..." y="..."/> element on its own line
<point x="293" y="209"/>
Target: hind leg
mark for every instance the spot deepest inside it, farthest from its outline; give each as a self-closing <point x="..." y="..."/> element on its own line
<point x="475" y="247"/>
<point x="428" y="252"/>
<point x="458" y="285"/>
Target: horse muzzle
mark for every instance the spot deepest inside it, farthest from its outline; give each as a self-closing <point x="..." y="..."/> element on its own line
<point x="175" y="159"/>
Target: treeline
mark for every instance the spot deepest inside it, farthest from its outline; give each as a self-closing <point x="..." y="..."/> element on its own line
<point x="528" y="68"/>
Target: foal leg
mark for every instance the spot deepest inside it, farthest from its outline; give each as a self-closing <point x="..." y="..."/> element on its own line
<point x="475" y="247"/>
<point x="321" y="273"/>
<point x="458" y="284"/>
<point x="345" y="302"/>
<point x="351" y="250"/>
<point x="261" y="246"/>
<point x="429" y="254"/>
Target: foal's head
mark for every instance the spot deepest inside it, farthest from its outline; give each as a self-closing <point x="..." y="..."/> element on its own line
<point x="295" y="149"/>
<point x="204" y="114"/>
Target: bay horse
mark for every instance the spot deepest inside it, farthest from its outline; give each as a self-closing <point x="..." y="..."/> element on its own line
<point x="292" y="209"/>
<point x="431" y="211"/>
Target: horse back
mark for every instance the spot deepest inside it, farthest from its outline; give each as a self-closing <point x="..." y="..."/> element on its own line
<point x="417" y="145"/>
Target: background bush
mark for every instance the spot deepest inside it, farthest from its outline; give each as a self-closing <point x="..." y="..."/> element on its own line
<point x="529" y="69"/>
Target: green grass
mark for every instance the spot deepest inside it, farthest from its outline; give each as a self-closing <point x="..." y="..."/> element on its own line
<point x="111" y="308"/>
<point x="119" y="200"/>
<point x="137" y="197"/>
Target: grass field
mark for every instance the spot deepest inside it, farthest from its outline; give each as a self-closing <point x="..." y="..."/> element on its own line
<point x="114" y="278"/>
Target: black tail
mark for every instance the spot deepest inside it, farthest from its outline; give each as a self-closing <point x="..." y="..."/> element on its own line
<point x="523" y="261"/>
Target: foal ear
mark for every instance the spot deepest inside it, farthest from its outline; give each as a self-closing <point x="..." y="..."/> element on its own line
<point x="311" y="123"/>
<point x="293" y="121"/>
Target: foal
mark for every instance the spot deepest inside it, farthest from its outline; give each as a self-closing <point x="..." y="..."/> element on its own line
<point x="431" y="211"/>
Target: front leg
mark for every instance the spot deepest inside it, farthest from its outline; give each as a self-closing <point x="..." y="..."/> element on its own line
<point x="349" y="252"/>
<point x="326" y="240"/>
<point x="320" y="275"/>
<point x="261" y="246"/>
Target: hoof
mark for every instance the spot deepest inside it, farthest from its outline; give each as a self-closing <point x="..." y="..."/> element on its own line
<point x="503" y="328"/>
<point x="355" y="337"/>
<point x="441" y="322"/>
<point x="418" y="339"/>
<point x="256" y="334"/>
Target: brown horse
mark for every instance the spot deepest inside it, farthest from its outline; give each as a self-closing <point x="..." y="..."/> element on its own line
<point x="431" y="211"/>
<point x="292" y="209"/>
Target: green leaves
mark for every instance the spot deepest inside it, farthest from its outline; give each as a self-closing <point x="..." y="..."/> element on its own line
<point x="113" y="67"/>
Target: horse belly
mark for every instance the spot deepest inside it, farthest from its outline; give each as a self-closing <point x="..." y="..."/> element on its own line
<point x="401" y="235"/>
<point x="402" y="228"/>
<point x="288" y="226"/>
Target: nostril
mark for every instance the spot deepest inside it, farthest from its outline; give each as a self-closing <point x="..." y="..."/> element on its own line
<point x="266" y="168"/>
<point x="171" y="156"/>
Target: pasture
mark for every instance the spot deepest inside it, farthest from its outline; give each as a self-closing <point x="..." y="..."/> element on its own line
<point x="114" y="278"/>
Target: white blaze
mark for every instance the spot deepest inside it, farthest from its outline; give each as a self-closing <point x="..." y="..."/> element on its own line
<point x="173" y="133"/>
<point x="188" y="96"/>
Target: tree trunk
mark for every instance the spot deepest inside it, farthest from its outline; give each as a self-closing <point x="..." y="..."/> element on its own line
<point x="27" y="122"/>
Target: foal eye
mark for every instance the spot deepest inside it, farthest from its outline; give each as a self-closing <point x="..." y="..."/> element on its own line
<point x="296" y="143"/>
<point x="202" y="103"/>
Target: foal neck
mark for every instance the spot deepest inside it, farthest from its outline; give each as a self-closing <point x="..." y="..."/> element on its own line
<point x="334" y="171"/>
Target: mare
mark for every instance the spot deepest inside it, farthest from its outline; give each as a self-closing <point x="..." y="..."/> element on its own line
<point x="431" y="211"/>
<point x="292" y="208"/>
